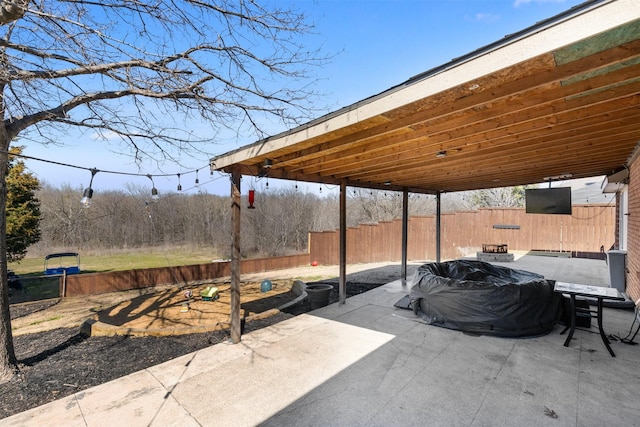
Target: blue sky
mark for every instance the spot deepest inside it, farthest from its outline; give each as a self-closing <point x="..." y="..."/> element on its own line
<point x="377" y="45"/>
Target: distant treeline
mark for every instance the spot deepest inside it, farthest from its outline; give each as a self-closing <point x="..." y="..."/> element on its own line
<point x="279" y="224"/>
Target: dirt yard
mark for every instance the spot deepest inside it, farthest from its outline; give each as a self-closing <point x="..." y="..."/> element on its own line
<point x="174" y="312"/>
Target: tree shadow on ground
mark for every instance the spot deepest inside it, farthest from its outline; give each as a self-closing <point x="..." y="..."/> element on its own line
<point x="71" y="341"/>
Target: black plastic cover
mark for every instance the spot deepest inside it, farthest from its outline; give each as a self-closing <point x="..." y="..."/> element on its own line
<point x="478" y="297"/>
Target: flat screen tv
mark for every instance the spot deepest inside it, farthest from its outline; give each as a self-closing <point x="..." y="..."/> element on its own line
<point x="548" y="200"/>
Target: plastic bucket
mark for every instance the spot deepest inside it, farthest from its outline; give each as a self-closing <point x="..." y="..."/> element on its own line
<point x="319" y="295"/>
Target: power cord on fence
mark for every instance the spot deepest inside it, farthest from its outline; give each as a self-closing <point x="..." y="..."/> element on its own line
<point x="627" y="340"/>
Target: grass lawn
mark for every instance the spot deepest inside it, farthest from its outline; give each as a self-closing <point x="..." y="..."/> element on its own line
<point x="144" y="258"/>
<point x="36" y="286"/>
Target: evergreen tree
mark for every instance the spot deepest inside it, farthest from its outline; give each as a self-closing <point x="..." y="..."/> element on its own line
<point x="23" y="208"/>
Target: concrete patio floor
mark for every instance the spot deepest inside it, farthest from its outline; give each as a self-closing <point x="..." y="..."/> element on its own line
<point x="366" y="363"/>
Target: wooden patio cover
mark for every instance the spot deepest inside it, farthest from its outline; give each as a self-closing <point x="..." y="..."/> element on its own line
<point x="558" y="100"/>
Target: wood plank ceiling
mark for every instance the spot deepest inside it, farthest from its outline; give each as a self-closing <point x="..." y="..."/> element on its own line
<point x="570" y="112"/>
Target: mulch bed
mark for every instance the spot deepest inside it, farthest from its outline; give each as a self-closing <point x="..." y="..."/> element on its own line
<point x="58" y="363"/>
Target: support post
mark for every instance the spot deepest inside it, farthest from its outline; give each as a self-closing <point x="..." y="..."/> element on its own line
<point x="405" y="231"/>
<point x="438" y="225"/>
<point x="236" y="327"/>
<point x="342" y="286"/>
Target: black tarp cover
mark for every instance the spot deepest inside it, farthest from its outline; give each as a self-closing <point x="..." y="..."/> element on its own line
<point x="478" y="297"/>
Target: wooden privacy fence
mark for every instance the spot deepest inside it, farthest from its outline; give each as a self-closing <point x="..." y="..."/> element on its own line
<point x="97" y="283"/>
<point x="589" y="230"/>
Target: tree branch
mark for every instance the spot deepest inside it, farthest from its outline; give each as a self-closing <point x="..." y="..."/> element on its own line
<point x="12" y="10"/>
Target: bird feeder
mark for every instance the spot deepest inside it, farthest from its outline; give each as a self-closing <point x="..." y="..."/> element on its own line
<point x="252" y="197"/>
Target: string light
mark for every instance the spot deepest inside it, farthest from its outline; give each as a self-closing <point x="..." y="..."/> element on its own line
<point x="88" y="192"/>
<point x="154" y="190"/>
<point x="90" y="169"/>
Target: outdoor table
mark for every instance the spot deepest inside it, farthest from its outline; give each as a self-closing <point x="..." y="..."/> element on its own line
<point x="600" y="293"/>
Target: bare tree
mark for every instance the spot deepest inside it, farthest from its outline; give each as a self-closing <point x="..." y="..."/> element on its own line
<point x="505" y="197"/>
<point x="280" y="222"/>
<point x="148" y="72"/>
<point x="373" y="206"/>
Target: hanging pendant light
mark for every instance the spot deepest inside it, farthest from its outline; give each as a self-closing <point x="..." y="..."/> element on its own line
<point x="154" y="190"/>
<point x="88" y="192"/>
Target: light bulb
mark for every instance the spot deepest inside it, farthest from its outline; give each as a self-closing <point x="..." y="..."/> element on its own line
<point x="86" y="197"/>
<point x="88" y="192"/>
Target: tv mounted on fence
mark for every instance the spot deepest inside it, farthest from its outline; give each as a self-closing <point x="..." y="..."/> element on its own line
<point x="548" y="200"/>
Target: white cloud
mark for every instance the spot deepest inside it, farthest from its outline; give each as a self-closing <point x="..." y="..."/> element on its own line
<point x="486" y="17"/>
<point x="518" y="3"/>
<point x="105" y="136"/>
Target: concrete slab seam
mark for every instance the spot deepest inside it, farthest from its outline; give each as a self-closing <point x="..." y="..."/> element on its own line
<point x="492" y="383"/>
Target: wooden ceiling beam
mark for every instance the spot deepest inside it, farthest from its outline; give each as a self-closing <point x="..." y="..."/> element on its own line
<point x="542" y="148"/>
<point x="611" y="121"/>
<point x="509" y="155"/>
<point x="528" y="75"/>
<point x="426" y="149"/>
<point x="502" y="120"/>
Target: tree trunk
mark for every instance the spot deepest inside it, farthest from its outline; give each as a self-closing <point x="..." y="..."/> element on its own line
<point x="8" y="362"/>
